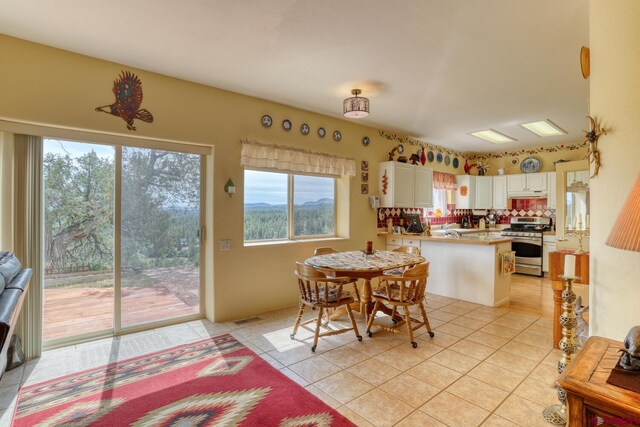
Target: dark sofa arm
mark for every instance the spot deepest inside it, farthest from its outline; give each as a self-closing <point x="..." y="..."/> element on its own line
<point x="20" y="281"/>
<point x="9" y="300"/>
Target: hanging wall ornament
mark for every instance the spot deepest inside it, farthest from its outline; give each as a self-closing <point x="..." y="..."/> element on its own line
<point x="595" y="131"/>
<point x="423" y="157"/>
<point x="128" y="92"/>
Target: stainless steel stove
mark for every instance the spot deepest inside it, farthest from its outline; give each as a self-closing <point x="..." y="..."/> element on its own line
<point x="527" y="243"/>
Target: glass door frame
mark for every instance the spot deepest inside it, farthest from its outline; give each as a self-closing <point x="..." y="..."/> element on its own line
<point x="117" y="273"/>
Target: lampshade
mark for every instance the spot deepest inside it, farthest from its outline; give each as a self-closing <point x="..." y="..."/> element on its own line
<point x="626" y="231"/>
<point x="356" y="107"/>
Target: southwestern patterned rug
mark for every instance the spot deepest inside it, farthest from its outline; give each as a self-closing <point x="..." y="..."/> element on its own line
<point x="214" y="382"/>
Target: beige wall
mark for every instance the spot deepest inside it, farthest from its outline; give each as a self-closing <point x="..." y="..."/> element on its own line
<point x="6" y="191"/>
<point x="51" y="86"/>
<point x="614" y="85"/>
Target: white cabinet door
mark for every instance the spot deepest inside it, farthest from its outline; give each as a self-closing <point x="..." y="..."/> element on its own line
<point x="465" y="193"/>
<point x="424" y="187"/>
<point x="404" y="186"/>
<point x="537" y="182"/>
<point x="551" y="185"/>
<point x="546" y="248"/>
<point x="582" y="176"/>
<point x="484" y="192"/>
<point x="500" y="192"/>
<point x="516" y="183"/>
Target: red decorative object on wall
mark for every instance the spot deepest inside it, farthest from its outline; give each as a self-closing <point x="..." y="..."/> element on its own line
<point x="128" y="92"/>
<point x="423" y="157"/>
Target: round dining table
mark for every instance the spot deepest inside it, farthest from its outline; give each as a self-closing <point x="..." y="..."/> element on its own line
<point x="359" y="265"/>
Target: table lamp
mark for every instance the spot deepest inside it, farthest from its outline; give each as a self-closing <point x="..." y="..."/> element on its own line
<point x="625" y="234"/>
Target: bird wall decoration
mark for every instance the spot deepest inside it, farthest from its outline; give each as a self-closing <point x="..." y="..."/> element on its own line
<point x="128" y="92"/>
<point x="591" y="136"/>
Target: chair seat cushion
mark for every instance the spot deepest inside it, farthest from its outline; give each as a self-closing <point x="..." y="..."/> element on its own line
<point x="332" y="298"/>
<point x="394" y="272"/>
<point x="381" y="292"/>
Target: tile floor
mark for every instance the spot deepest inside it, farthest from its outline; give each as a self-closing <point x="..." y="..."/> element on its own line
<point x="485" y="366"/>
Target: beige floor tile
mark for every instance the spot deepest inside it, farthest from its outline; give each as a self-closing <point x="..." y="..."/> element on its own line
<point x="442" y="315"/>
<point x="434" y="304"/>
<point x="314" y="369"/>
<point x="435" y="374"/>
<point x="544" y="373"/>
<point x="343" y="386"/>
<point x="455" y="330"/>
<point x="401" y="357"/>
<point x="372" y="346"/>
<point x="522" y="316"/>
<point x="374" y="371"/>
<point x="553" y="357"/>
<point x="536" y="391"/>
<point x="323" y="396"/>
<point x="344" y="357"/>
<point x="456" y="309"/>
<point x="494" y="310"/>
<point x="454" y="360"/>
<point x="477" y="392"/>
<point x="496" y="421"/>
<point x="426" y="348"/>
<point x="469" y="322"/>
<point x="295" y="377"/>
<point x="528" y="352"/>
<point x="479" y="314"/>
<point x="540" y="329"/>
<point x="454" y="411"/>
<point x="273" y="362"/>
<point x="467" y="304"/>
<point x="496" y="376"/>
<point x="499" y="331"/>
<point x="380" y="408"/>
<point x="419" y="418"/>
<point x="292" y="354"/>
<point x="439" y="338"/>
<point x="511" y="323"/>
<point x="535" y="340"/>
<point x="511" y="362"/>
<point x="489" y="340"/>
<point x="473" y="349"/>
<point x="410" y="389"/>
<point x="522" y="411"/>
<point x="354" y="417"/>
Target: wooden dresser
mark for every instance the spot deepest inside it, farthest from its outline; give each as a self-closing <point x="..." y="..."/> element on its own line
<point x="592" y="401"/>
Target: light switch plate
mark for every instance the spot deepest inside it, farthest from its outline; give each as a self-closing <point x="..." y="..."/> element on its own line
<point x="225" y="245"/>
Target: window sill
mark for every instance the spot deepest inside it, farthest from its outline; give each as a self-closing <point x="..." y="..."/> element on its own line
<point x="288" y="242"/>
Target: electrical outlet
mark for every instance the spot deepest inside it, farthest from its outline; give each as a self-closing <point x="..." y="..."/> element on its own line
<point x="225" y="245"/>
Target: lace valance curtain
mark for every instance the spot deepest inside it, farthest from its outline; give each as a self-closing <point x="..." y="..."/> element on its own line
<point x="444" y="181"/>
<point x="270" y="156"/>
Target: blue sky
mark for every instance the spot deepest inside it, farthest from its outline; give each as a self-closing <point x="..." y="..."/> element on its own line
<point x="267" y="187"/>
<point x="77" y="149"/>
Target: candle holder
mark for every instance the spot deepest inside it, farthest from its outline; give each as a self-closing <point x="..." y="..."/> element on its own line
<point x="557" y="414"/>
<point x="578" y="231"/>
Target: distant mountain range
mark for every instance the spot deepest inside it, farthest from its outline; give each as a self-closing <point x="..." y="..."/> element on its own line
<point x="321" y="202"/>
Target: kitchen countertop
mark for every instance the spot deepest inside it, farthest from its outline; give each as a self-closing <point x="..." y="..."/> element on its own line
<point x="476" y="237"/>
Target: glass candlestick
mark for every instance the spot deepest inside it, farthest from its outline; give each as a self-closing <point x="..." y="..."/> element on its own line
<point x="578" y="231"/>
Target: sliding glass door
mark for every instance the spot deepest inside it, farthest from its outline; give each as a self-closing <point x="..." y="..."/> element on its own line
<point x="122" y="246"/>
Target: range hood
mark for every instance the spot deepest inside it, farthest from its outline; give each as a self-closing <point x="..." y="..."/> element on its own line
<point x="527" y="195"/>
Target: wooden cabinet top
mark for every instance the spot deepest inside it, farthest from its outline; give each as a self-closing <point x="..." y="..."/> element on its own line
<point x="586" y="376"/>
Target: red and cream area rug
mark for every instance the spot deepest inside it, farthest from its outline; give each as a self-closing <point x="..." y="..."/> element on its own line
<point x="214" y="382"/>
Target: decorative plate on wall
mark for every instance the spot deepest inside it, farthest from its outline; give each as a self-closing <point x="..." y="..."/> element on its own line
<point x="286" y="124"/>
<point x="266" y="121"/>
<point x="447" y="160"/>
<point x="531" y="165"/>
<point x="337" y="136"/>
<point x="514" y="161"/>
<point x="439" y="157"/>
<point x="365" y="141"/>
<point x="456" y="162"/>
<point x="400" y="148"/>
<point x="304" y="129"/>
<point x="430" y="156"/>
<point x="321" y="132"/>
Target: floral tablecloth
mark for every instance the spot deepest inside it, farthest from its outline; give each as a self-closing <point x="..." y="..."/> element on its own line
<point x="358" y="261"/>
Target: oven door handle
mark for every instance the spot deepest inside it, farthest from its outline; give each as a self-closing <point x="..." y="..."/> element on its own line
<point x="533" y="241"/>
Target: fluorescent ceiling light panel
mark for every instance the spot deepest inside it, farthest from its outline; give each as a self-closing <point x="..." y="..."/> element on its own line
<point x="544" y="128"/>
<point x="493" y="136"/>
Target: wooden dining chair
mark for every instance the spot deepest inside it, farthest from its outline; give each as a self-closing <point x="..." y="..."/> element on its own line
<point x="319" y="291"/>
<point x="324" y="250"/>
<point x="413" y="250"/>
<point x="403" y="291"/>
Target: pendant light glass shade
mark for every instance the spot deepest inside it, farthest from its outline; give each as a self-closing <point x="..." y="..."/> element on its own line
<point x="356" y="107"/>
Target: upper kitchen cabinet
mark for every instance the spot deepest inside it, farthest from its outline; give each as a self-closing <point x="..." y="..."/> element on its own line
<point x="474" y="192"/>
<point x="526" y="183"/>
<point x="551" y="194"/>
<point x="405" y="186"/>
<point x="500" y="192"/>
<point x="484" y="192"/>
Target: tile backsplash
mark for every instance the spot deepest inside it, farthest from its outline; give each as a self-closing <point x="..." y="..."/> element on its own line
<point x="534" y="207"/>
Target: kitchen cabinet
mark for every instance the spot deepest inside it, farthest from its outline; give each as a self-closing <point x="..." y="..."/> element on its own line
<point x="578" y="178"/>
<point x="466" y="191"/>
<point x="484" y="192"/>
<point x="405" y="186"/>
<point x="393" y="243"/>
<point x="499" y="192"/>
<point x="551" y="194"/>
<point x="529" y="182"/>
<point x="548" y="245"/>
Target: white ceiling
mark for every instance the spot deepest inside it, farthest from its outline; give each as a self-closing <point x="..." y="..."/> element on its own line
<point x="433" y="69"/>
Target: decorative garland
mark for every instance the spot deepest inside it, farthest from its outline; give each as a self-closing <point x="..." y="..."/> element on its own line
<point x="474" y="156"/>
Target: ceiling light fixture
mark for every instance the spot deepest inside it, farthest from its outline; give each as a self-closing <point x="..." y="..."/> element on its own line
<point x="493" y="136"/>
<point x="544" y="128"/>
<point x="355" y="107"/>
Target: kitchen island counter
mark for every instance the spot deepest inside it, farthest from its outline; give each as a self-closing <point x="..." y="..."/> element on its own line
<point x="482" y="237"/>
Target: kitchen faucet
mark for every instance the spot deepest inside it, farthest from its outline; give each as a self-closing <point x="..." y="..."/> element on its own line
<point x="446" y="225"/>
<point x="454" y="233"/>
